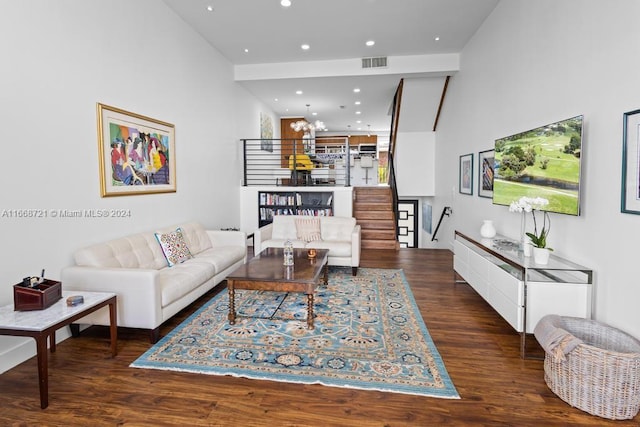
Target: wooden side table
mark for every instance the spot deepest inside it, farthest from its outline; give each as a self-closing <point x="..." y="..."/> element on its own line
<point x="43" y="324"/>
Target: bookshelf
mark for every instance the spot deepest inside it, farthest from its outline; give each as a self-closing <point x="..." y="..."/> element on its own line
<point x="316" y="203"/>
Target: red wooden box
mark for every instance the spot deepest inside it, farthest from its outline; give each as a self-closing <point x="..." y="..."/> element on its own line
<point x="39" y="297"/>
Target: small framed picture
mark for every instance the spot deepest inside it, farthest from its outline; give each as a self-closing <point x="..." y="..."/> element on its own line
<point x="485" y="173"/>
<point x="466" y="174"/>
<point x="631" y="163"/>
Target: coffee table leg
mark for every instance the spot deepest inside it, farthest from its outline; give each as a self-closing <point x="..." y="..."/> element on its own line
<point x="232" y="307"/>
<point x="43" y="370"/>
<point x="326" y="274"/>
<point x="113" y="327"/>
<point x="310" y="311"/>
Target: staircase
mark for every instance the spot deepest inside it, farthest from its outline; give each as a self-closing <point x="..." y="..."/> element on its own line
<point x="373" y="210"/>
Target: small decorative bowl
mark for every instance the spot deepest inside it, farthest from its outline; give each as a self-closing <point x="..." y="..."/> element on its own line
<point x="311" y="253"/>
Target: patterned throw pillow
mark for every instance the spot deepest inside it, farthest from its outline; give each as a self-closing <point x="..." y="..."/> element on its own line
<point x="174" y="247"/>
<point x="308" y="229"/>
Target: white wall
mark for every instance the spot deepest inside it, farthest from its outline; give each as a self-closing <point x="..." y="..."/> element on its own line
<point x="533" y="63"/>
<point x="60" y="59"/>
<point x="415" y="161"/>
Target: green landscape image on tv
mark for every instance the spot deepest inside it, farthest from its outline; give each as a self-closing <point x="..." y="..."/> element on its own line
<point x="542" y="162"/>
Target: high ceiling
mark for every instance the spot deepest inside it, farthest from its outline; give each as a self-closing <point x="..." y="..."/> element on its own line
<point x="263" y="40"/>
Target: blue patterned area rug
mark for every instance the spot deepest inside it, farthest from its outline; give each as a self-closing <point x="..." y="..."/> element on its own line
<point x="368" y="335"/>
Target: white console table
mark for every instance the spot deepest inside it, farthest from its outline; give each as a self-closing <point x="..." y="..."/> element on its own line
<point x="520" y="290"/>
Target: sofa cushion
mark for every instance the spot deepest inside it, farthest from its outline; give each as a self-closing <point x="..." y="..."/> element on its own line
<point x="196" y="237"/>
<point x="284" y="227"/>
<point x="135" y="251"/>
<point x="174" y="247"/>
<point x="221" y="257"/>
<point x="337" y="228"/>
<point x="179" y="280"/>
<point x="308" y="229"/>
<point x="336" y="248"/>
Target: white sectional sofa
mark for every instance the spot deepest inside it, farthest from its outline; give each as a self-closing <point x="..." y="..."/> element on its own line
<point x="150" y="291"/>
<point x="340" y="235"/>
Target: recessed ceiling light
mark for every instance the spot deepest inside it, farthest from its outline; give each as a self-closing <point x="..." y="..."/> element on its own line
<point x="275" y="99"/>
<point x="246" y="50"/>
<point x="305" y="46"/>
<point x="285" y="3"/>
<point x="358" y="121"/>
<point x="356" y="90"/>
<point x="358" y="112"/>
<point x="314" y="114"/>
<point x="298" y="92"/>
<point x="210" y="8"/>
<point x="357" y="102"/>
<point x="370" y="43"/>
<point x="437" y="38"/>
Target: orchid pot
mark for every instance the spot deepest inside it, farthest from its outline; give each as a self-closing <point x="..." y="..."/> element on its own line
<point x="541" y="255"/>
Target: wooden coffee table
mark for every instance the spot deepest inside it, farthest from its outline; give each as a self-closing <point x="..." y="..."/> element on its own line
<point x="266" y="272"/>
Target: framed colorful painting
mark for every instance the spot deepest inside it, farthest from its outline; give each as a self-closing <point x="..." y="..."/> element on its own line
<point x="137" y="153"/>
<point x="485" y="171"/>
<point x="465" y="180"/>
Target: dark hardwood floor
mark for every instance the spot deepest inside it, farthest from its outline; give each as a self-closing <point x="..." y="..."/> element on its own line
<point x="480" y="351"/>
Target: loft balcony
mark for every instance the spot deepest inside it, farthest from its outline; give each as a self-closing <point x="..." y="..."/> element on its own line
<point x="310" y="162"/>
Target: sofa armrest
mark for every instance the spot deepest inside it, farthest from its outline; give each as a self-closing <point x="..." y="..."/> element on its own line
<point x="228" y="238"/>
<point x="138" y="291"/>
<point x="262" y="234"/>
<point x="355" y="246"/>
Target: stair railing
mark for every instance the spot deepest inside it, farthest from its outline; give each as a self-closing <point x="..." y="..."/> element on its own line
<point x="394" y="191"/>
<point x="446" y="211"/>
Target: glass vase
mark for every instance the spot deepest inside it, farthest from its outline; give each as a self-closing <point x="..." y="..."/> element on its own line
<point x="525" y="243"/>
<point x="288" y="253"/>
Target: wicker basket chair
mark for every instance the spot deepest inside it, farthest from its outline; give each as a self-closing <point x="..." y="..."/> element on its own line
<point x="591" y="366"/>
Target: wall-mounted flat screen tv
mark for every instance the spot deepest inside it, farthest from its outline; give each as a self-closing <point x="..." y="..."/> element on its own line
<point x="542" y="162"/>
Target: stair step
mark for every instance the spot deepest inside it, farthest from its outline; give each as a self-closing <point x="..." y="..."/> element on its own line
<point x="376" y="224"/>
<point x="369" y="234"/>
<point x="374" y="194"/>
<point x="379" y="244"/>
<point x="374" y="215"/>
<point x="372" y="206"/>
<point x="373" y="198"/>
<point x="372" y="190"/>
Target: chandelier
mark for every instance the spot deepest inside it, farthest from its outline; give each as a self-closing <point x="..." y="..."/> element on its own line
<point x="306" y="127"/>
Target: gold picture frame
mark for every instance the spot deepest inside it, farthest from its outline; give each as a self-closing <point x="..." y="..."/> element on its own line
<point x="137" y="153"/>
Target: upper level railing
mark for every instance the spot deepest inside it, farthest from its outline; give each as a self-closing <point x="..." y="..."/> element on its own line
<point x="297" y="162"/>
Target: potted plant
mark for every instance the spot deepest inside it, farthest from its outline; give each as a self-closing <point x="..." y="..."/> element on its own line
<point x="530" y="204"/>
<point x="539" y="240"/>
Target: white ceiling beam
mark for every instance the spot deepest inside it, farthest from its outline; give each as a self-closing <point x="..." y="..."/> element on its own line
<point x="427" y="65"/>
